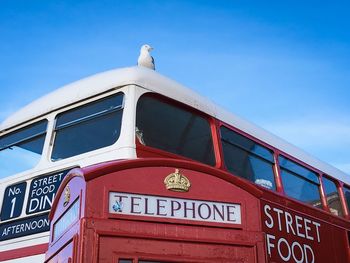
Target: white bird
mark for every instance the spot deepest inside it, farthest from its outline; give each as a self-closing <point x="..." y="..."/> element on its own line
<point x="145" y="59"/>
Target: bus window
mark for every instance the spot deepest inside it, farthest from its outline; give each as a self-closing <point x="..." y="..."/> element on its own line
<point x="332" y="196"/>
<point x="347" y="196"/>
<point x="21" y="150"/>
<point x="88" y="127"/>
<point x="248" y="159"/>
<point x="300" y="182"/>
<point x="173" y="129"/>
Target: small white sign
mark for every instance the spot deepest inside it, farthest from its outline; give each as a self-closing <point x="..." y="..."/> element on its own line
<point x="174" y="208"/>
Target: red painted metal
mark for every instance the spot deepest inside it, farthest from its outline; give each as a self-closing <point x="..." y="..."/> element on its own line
<point x="322" y="194"/>
<point x="273" y="228"/>
<point x="104" y="237"/>
<point x="23" y="252"/>
<point x="343" y="200"/>
<point x="293" y="227"/>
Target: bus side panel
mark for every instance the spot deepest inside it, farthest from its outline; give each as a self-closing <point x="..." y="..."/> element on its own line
<point x="295" y="236"/>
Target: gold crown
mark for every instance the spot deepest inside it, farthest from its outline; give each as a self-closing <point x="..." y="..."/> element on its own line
<point x="177" y="182"/>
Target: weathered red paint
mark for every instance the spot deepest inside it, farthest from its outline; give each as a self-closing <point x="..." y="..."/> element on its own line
<point x="104" y="237"/>
<point x="291" y="225"/>
<point x="273" y="229"/>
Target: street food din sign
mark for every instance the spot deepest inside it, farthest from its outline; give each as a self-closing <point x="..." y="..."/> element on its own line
<point x="41" y="194"/>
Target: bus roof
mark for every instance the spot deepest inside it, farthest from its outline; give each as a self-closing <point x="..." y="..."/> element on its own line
<point x="153" y="81"/>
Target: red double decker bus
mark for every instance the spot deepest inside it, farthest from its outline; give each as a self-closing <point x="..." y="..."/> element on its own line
<point x="134" y="167"/>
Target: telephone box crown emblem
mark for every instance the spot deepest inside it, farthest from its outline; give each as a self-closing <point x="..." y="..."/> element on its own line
<point x="177" y="182"/>
<point x="66" y="196"/>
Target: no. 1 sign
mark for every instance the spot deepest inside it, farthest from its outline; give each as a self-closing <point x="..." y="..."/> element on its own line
<point x="13" y="201"/>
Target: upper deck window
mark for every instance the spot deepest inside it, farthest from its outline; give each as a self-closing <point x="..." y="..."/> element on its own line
<point x="88" y="127"/>
<point x="248" y="159"/>
<point x="171" y="128"/>
<point x="21" y="150"/>
<point x="332" y="196"/>
<point x="300" y="182"/>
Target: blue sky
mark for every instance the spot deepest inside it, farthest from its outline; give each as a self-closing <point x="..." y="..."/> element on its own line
<point x="284" y="66"/>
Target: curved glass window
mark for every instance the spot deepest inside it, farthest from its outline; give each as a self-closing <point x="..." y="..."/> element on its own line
<point x="248" y="159"/>
<point x="22" y="149"/>
<point x="174" y="129"/>
<point x="88" y="127"/>
<point x="299" y="182"/>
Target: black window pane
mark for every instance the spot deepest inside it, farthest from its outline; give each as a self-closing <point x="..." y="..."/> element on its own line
<point x="87" y="136"/>
<point x="236" y="139"/>
<point x="23" y="134"/>
<point x="100" y="106"/>
<point x="298" y="169"/>
<point x="241" y="163"/>
<point x="34" y="145"/>
<point x="174" y="129"/>
<point x="332" y="197"/>
<point x="301" y="189"/>
<point x="99" y="130"/>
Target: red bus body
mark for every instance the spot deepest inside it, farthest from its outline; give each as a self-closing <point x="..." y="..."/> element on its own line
<point x="262" y="227"/>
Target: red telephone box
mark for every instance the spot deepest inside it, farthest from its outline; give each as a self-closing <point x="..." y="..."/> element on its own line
<point x="155" y="210"/>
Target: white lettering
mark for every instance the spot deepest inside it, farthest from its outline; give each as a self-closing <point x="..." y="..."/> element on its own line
<point x="289" y="222"/>
<point x="297" y="219"/>
<point x="278" y="247"/>
<point x="307" y="229"/>
<point x="33" y="205"/>
<point x="267" y="208"/>
<point x="296" y="244"/>
<point x="317" y="225"/>
<point x="279" y="213"/>
<point x="308" y="248"/>
<point x="269" y="244"/>
<point x="287" y="257"/>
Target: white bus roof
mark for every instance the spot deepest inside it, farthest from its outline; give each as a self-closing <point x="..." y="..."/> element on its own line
<point x="153" y="81"/>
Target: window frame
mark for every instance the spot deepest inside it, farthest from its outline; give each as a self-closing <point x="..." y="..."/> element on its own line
<point x="308" y="167"/>
<point x="147" y="151"/>
<point x="274" y="164"/>
<point x="76" y="105"/>
<point x="338" y="187"/>
<point x="25" y="125"/>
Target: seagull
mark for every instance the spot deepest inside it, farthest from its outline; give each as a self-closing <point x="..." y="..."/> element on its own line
<point x="145" y="59"/>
